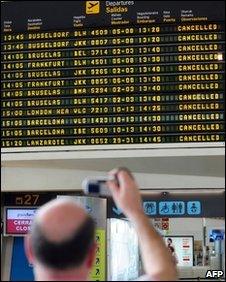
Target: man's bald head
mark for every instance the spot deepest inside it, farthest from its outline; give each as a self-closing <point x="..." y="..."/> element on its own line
<point x="62" y="234"/>
<point x="60" y="218"/>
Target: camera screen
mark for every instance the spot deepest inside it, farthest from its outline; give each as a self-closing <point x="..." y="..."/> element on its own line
<point x="94" y="188"/>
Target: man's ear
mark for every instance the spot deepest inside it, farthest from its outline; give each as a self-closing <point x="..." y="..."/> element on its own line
<point x="91" y="256"/>
<point x="28" y="249"/>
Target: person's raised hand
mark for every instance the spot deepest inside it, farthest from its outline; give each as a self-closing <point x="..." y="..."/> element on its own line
<point x="125" y="192"/>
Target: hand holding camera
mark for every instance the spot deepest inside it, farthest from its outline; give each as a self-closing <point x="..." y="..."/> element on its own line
<point x="121" y="185"/>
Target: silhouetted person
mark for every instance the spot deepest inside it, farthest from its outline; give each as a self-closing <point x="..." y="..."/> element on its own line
<point x="180" y="207"/>
<point x="174" y="208"/>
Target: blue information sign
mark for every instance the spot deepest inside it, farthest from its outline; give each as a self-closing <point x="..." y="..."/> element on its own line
<point x="150" y="207"/>
<point x="167" y="208"/>
<point x="172" y="208"/>
<point x="193" y="207"/>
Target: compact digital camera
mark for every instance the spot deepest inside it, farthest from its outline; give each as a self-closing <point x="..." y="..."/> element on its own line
<point x="97" y="186"/>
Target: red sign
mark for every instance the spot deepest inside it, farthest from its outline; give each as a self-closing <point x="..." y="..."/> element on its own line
<point x="165" y="223"/>
<point x="18" y="221"/>
<point x="165" y="226"/>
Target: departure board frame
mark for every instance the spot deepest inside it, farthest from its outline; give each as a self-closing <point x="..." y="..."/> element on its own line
<point x="112" y="75"/>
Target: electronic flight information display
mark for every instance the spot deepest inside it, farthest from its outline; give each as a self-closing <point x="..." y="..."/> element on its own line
<point x="112" y="72"/>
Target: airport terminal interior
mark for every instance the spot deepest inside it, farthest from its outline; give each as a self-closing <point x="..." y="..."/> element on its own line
<point x="88" y="86"/>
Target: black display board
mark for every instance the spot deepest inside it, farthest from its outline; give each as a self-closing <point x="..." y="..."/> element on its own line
<point x="112" y="73"/>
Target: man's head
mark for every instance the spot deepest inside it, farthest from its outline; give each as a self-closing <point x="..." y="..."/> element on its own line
<point x="61" y="241"/>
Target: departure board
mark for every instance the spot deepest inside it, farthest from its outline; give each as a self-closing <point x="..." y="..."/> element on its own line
<point x="112" y="72"/>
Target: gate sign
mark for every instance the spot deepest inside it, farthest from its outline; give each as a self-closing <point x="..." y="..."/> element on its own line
<point x="18" y="221"/>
